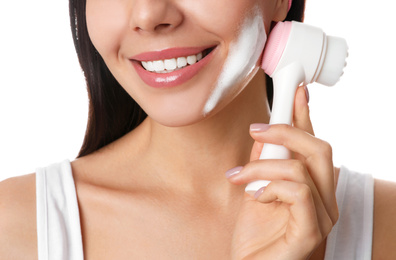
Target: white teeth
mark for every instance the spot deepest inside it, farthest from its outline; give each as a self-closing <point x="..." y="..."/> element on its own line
<point x="148" y="65"/>
<point x="169" y="65"/>
<point x="191" y="59"/>
<point x="181" y="62"/>
<point x="158" y="65"/>
<point x="199" y="56"/>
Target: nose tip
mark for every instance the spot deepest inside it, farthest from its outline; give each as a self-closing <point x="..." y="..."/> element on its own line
<point x="155" y="16"/>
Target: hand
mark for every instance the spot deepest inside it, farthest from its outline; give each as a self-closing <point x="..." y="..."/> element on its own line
<point x="291" y="216"/>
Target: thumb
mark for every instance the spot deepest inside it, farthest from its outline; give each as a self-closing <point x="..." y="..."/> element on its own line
<point x="301" y="118"/>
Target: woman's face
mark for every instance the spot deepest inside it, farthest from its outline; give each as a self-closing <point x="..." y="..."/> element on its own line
<point x="181" y="60"/>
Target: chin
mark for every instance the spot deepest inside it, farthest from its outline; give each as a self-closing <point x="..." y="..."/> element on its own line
<point x="188" y="116"/>
<point x="178" y="119"/>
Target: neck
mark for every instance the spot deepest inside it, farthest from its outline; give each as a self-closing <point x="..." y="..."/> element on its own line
<point x="198" y="155"/>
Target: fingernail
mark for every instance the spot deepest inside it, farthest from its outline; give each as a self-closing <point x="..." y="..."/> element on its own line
<point x="259" y="127"/>
<point x="233" y="171"/>
<point x="306" y="93"/>
<point x="259" y="192"/>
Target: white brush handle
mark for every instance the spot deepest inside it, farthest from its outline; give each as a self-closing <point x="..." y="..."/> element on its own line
<point x="286" y="81"/>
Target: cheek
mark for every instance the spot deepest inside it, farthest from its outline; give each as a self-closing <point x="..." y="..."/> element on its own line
<point x="218" y="17"/>
<point x="242" y="62"/>
<point x="106" y="22"/>
<point x="241" y="29"/>
<point x="223" y="17"/>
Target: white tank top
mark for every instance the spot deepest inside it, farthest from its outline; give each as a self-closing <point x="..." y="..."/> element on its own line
<point x="58" y="220"/>
<point x="59" y="230"/>
<point x="352" y="236"/>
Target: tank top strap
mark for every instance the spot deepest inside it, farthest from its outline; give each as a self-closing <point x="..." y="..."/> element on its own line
<point x="58" y="220"/>
<point x="351" y="237"/>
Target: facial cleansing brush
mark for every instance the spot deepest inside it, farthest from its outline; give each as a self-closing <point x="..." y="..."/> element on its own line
<point x="297" y="54"/>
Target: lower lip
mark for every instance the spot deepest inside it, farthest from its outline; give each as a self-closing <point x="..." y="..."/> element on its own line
<point x="171" y="79"/>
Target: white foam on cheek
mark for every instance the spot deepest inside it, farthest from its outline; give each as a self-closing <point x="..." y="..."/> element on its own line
<point x="241" y="60"/>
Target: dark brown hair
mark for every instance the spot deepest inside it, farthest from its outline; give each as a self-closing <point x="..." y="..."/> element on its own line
<point x="112" y="111"/>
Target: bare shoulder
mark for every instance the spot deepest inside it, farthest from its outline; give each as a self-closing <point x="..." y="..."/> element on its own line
<point x="384" y="220"/>
<point x="18" y="234"/>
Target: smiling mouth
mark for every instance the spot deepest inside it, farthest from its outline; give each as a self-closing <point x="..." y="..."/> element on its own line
<point x="173" y="64"/>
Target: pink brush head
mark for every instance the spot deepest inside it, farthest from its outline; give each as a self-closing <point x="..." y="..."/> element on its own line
<point x="275" y="46"/>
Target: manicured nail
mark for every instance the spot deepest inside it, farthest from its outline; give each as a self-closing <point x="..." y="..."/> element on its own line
<point x="233" y="171"/>
<point x="259" y="127"/>
<point x="306" y="93"/>
<point x="259" y="192"/>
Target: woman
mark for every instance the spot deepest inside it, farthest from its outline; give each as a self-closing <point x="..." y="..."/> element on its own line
<point x="149" y="181"/>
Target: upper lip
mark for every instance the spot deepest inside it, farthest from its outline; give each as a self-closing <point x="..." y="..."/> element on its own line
<point x="169" y="53"/>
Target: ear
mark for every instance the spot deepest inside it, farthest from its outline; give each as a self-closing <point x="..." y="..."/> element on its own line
<point x="281" y="9"/>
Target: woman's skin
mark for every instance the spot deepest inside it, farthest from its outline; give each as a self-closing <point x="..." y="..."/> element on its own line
<point x="161" y="191"/>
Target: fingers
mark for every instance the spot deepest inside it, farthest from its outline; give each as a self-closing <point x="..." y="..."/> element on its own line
<point x="313" y="223"/>
<point x="300" y="189"/>
<point x="297" y="195"/>
<point x="292" y="170"/>
<point x="301" y="118"/>
<point x="316" y="153"/>
<point x="283" y="172"/>
<point x="256" y="151"/>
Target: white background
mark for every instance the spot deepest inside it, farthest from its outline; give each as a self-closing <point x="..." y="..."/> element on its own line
<point x="43" y="101"/>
